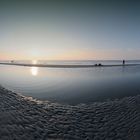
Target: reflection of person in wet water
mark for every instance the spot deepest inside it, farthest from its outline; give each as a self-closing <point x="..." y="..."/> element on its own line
<point x="123" y="62"/>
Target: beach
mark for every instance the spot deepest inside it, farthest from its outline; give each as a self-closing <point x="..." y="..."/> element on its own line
<point x="70" y="70"/>
<point x="66" y="65"/>
<point x="27" y="118"/>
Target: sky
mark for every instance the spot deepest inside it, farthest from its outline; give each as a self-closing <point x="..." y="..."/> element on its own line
<point x="69" y="29"/>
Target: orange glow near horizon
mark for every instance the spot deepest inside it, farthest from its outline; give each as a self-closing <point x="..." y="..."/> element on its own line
<point x="73" y="54"/>
<point x="34" y="61"/>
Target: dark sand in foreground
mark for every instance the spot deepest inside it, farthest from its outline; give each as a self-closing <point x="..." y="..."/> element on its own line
<point x="23" y="118"/>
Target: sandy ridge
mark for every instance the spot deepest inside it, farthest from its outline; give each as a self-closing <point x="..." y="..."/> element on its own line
<point x="66" y="66"/>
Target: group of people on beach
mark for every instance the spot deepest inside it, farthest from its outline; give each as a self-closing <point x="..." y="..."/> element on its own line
<point x="123" y="62"/>
<point x="98" y="64"/>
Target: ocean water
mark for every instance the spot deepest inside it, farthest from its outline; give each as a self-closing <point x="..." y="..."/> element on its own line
<point x="72" y="85"/>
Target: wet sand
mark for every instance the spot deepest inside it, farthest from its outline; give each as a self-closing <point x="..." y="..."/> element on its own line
<point x="24" y="118"/>
<point x="65" y="66"/>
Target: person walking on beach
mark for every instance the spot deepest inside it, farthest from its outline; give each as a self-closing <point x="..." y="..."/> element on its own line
<point x="123" y="62"/>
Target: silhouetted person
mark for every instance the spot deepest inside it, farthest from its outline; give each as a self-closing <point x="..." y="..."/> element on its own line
<point x="99" y="64"/>
<point x="123" y="62"/>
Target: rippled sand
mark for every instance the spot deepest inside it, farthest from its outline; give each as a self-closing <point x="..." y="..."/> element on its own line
<point x="24" y="118"/>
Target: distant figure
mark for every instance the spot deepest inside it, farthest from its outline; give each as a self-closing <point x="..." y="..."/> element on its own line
<point x="123" y="62"/>
<point x="99" y="64"/>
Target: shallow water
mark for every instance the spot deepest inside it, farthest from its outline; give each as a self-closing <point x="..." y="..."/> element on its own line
<point x="72" y="85"/>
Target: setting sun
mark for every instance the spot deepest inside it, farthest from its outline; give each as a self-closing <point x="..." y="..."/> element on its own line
<point x="34" y="62"/>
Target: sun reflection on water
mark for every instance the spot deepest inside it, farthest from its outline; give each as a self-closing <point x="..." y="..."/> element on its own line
<point x="34" y="71"/>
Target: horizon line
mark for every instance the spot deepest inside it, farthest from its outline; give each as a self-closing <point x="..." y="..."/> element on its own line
<point x="70" y="59"/>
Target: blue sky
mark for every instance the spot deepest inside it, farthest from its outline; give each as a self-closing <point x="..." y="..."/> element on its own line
<point x="68" y="29"/>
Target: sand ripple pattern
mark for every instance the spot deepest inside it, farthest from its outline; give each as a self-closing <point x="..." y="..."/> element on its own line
<point x="23" y="118"/>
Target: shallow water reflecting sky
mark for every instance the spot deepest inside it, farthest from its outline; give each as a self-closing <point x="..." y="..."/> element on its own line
<point x="72" y="86"/>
